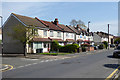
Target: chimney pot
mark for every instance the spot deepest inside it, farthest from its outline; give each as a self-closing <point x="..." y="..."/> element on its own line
<point x="56" y="21"/>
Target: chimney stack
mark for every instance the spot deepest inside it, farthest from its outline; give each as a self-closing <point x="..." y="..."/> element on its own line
<point x="77" y="27"/>
<point x="56" y="21"/>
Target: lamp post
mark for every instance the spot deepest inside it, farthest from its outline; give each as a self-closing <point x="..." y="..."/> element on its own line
<point x="2" y="32"/>
<point x="108" y="36"/>
<point x="88" y="33"/>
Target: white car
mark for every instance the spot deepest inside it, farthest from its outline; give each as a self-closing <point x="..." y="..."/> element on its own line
<point x="116" y="52"/>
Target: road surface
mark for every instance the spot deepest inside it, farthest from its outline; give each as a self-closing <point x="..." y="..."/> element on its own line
<point x="98" y="65"/>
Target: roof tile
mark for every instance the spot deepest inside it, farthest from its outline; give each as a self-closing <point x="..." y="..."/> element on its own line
<point x="29" y="21"/>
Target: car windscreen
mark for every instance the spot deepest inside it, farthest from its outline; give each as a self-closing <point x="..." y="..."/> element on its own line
<point x="118" y="47"/>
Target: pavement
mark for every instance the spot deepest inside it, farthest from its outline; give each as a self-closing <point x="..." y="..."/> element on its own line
<point x="96" y="64"/>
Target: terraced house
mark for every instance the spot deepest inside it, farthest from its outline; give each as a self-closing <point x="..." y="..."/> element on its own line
<point x="47" y="32"/>
<point x="104" y="37"/>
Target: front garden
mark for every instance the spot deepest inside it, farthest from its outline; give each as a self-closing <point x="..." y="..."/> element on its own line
<point x="54" y="54"/>
<point x="57" y="49"/>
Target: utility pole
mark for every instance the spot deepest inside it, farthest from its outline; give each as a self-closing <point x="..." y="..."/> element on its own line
<point x="108" y="36"/>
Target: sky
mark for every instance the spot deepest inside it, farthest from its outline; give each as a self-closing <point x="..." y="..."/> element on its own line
<point x="98" y="13"/>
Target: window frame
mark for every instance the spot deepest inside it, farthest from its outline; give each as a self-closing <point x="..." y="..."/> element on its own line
<point x="45" y="31"/>
<point x="58" y="34"/>
<point x="51" y="34"/>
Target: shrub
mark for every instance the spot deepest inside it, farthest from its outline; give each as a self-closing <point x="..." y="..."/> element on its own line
<point x="83" y="49"/>
<point x="105" y="44"/>
<point x="0" y="41"/>
<point x="117" y="41"/>
<point x="55" y="46"/>
<point x="85" y="45"/>
<point x="70" y="48"/>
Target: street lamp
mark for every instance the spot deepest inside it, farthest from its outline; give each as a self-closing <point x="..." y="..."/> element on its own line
<point x="88" y="33"/>
<point x="108" y="36"/>
<point x="88" y="26"/>
<point x="2" y="32"/>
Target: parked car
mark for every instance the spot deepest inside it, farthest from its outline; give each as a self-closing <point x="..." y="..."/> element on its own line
<point x="112" y="45"/>
<point x="116" y="52"/>
<point x="101" y="46"/>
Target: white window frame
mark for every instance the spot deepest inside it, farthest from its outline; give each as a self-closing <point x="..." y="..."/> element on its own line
<point x="58" y="34"/>
<point x="51" y="34"/>
<point x="71" y="35"/>
<point x="67" y="34"/>
<point x="45" y="32"/>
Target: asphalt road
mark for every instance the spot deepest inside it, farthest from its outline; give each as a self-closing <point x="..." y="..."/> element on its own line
<point x="98" y="65"/>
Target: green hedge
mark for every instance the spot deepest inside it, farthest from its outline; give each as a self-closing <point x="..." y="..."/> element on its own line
<point x="55" y="46"/>
<point x="54" y="53"/>
<point x="0" y="41"/>
<point x="83" y="49"/>
<point x="105" y="44"/>
<point x="117" y="41"/>
<point x="85" y="45"/>
<point x="69" y="48"/>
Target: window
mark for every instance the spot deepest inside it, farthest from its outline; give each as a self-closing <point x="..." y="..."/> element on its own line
<point x="84" y="37"/>
<point x="58" y="34"/>
<point x="67" y="34"/>
<point x="37" y="45"/>
<point x="71" y="35"/>
<point x="51" y="33"/>
<point x="45" y="32"/>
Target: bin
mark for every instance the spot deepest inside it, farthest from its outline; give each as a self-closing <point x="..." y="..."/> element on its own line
<point x="39" y="50"/>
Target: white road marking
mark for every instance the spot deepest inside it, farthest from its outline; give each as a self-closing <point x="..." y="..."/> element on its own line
<point x="20" y="66"/>
<point x="51" y="60"/>
<point x="42" y="61"/>
<point x="46" y="61"/>
<point x="29" y="59"/>
<point x="28" y="64"/>
<point x="34" y="63"/>
<point x="38" y="62"/>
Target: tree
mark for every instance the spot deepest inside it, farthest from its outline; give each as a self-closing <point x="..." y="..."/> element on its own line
<point x="79" y="22"/>
<point x="73" y="22"/>
<point x="117" y="41"/>
<point x="23" y="34"/>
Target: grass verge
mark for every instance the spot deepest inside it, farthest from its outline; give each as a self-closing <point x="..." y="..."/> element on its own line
<point x="54" y="53"/>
